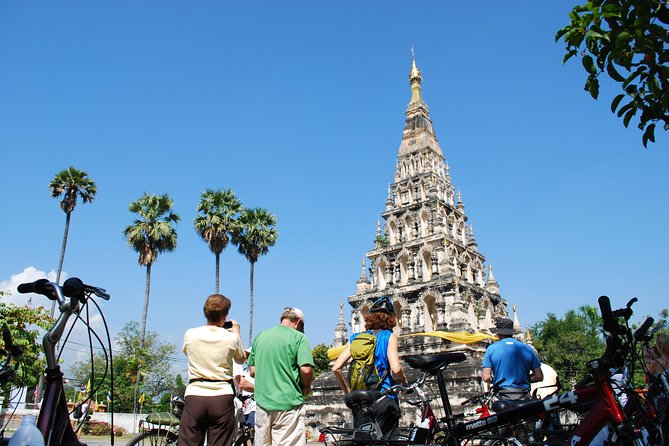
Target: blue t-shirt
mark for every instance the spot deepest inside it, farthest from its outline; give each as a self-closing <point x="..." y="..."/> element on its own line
<point x="381" y="357"/>
<point x="511" y="362"/>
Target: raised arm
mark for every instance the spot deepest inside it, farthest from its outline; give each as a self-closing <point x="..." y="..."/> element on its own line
<point x="394" y="360"/>
<point x="339" y="364"/>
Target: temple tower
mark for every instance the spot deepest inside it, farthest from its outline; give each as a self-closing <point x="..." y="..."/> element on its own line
<point x="341" y="334"/>
<point x="425" y="255"/>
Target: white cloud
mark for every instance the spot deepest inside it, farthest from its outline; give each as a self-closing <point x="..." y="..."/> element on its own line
<point x="29" y="274"/>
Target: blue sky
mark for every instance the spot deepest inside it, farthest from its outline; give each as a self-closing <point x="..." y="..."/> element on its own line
<point x="299" y="108"/>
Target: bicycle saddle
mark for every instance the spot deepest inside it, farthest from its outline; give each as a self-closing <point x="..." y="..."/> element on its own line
<point x="359" y="399"/>
<point x="427" y="363"/>
<point x="499" y="406"/>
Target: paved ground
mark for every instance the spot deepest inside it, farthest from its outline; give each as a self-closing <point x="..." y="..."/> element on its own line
<point x="92" y="440"/>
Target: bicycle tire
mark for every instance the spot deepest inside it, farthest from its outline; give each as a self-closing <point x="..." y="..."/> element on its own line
<point x="245" y="437"/>
<point x="154" y="437"/>
<point x="244" y="440"/>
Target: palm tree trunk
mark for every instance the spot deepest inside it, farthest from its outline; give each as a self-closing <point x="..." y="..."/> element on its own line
<point x="218" y="269"/>
<point x="251" y="307"/>
<point x="146" y="306"/>
<point x="40" y="384"/>
<point x="62" y="257"/>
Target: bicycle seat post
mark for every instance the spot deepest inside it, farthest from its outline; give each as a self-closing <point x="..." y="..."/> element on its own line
<point x="445" y="401"/>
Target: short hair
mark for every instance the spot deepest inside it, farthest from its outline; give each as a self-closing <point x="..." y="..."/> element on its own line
<point x="662" y="342"/>
<point x="216" y="307"/>
<point x="380" y="321"/>
<point x="292" y="313"/>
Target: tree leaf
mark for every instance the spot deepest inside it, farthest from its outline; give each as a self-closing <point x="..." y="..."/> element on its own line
<point x="569" y="55"/>
<point x="589" y="64"/>
<point x="633" y="76"/>
<point x="593" y="34"/>
<point x="624" y="108"/>
<point x="592" y="86"/>
<point x="611" y="70"/>
<point x="653" y="86"/>
<point x="628" y="116"/>
<point x="620" y="38"/>
<point x="615" y="102"/>
<point x="648" y="135"/>
<point x="561" y="32"/>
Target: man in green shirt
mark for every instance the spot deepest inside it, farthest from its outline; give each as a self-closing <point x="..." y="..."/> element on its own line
<point x="282" y="364"/>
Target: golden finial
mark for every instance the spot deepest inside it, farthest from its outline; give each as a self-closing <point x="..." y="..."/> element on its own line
<point x="415" y="72"/>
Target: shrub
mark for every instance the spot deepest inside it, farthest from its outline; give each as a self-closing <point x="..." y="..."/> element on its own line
<point x="99" y="428"/>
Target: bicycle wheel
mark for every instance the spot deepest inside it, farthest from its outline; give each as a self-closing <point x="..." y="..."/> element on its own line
<point x="245" y="438"/>
<point x="154" y="437"/>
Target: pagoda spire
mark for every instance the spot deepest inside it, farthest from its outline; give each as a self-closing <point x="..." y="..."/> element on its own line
<point x="340" y="331"/>
<point x="415" y="79"/>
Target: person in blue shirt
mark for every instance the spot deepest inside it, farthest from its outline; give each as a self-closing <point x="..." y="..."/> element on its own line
<point x="510" y="364"/>
<point x="379" y="320"/>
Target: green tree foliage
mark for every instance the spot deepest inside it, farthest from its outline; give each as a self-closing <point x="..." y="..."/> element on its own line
<point x="152" y="363"/>
<point x="151" y="234"/>
<point x="71" y="183"/>
<point x="626" y="40"/>
<point x="23" y="323"/>
<point x="255" y="235"/>
<point x="321" y="360"/>
<point x="216" y="220"/>
<point x="567" y="343"/>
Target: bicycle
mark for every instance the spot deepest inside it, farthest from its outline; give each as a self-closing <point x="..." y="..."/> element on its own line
<point x="604" y="422"/>
<point x="54" y="418"/>
<point x="162" y="428"/>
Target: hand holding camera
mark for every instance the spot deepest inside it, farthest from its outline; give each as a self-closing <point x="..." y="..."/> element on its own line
<point x="231" y="325"/>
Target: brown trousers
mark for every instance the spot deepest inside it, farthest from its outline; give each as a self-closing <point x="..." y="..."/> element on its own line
<point x="210" y="415"/>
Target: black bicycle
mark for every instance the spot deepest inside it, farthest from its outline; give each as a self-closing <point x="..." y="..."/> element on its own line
<point x="605" y="420"/>
<point x="72" y="298"/>
<point x="162" y="428"/>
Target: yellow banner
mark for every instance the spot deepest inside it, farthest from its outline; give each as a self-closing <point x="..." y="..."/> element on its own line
<point x="459" y="337"/>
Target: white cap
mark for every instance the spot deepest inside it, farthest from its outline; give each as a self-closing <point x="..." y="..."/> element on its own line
<point x="293" y="313"/>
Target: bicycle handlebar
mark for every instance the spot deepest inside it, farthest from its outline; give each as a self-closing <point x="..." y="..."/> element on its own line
<point x="407" y="389"/>
<point x="640" y="334"/>
<point x="608" y="323"/>
<point x="39" y="287"/>
<point x="76" y="291"/>
<point x="74" y="287"/>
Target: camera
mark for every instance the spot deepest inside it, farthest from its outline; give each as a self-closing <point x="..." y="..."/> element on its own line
<point x="227" y="324"/>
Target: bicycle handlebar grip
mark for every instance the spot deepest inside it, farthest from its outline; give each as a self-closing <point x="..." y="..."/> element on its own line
<point x="608" y="323"/>
<point x="641" y="332"/>
<point x="73" y="287"/>
<point x="33" y="287"/>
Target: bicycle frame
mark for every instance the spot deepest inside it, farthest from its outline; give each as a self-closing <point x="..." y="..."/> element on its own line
<point x="54" y="417"/>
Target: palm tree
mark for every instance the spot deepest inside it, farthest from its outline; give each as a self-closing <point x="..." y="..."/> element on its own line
<point x="71" y="183"/>
<point x="152" y="233"/>
<point x="255" y="235"/>
<point x="216" y="220"/>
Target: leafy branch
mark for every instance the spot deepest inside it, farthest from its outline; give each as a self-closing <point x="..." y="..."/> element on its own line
<point x="627" y="40"/>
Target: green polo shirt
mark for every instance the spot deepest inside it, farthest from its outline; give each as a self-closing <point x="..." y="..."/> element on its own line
<point x="277" y="355"/>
